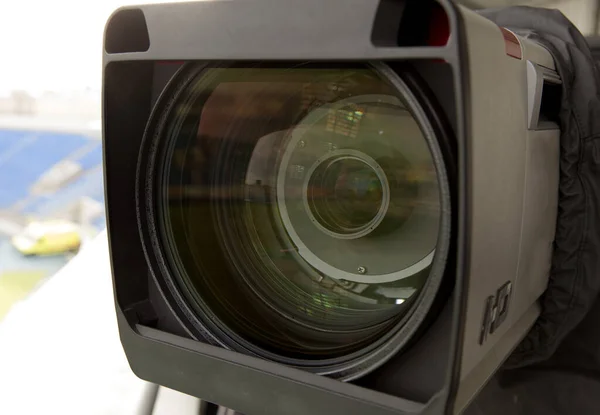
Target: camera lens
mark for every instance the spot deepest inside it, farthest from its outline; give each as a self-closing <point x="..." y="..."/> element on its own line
<point x="302" y="210"/>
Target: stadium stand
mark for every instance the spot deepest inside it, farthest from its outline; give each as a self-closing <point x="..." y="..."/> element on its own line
<point x="27" y="155"/>
<point x="50" y="168"/>
<point x="89" y="184"/>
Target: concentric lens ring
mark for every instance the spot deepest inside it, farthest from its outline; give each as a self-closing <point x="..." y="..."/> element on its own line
<point x="339" y="156"/>
<point x="303" y="249"/>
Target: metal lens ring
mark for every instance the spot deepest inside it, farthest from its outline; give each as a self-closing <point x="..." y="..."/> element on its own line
<point x="377" y="248"/>
<point x="321" y="220"/>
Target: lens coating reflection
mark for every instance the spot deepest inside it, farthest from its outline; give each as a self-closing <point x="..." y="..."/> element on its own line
<point x="300" y="207"/>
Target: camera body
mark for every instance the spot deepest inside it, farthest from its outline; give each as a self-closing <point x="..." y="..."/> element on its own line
<point x="493" y="95"/>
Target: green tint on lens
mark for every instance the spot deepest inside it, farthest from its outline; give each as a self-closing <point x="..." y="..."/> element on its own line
<point x="300" y="207"/>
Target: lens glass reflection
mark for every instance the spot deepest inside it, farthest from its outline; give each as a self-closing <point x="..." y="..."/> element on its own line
<point x="299" y="206"/>
<point x="345" y="194"/>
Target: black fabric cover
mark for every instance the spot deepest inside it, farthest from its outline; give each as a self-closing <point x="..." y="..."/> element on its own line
<point x="556" y="369"/>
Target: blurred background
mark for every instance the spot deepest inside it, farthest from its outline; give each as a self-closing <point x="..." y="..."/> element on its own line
<point x="52" y="207"/>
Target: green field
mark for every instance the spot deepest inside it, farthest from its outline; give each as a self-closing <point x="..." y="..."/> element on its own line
<point x="15" y="286"/>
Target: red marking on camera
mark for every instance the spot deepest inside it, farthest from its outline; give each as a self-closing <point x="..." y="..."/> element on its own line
<point x="512" y="46"/>
<point x="439" y="27"/>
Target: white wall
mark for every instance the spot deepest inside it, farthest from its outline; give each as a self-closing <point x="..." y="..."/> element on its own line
<point x="582" y="13"/>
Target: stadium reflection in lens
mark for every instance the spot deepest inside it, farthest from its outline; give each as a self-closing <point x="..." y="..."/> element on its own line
<point x="300" y="208"/>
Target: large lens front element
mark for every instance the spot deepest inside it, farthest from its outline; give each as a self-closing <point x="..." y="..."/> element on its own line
<point x="301" y="212"/>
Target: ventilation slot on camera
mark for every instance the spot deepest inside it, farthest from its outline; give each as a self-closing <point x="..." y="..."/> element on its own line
<point x="544" y="90"/>
<point x="410" y="23"/>
<point x="550" y="102"/>
<point x="127" y="32"/>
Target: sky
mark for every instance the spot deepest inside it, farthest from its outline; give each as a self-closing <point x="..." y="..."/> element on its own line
<point x="53" y="44"/>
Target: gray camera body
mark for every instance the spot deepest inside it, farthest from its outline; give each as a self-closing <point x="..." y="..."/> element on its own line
<point x="499" y="93"/>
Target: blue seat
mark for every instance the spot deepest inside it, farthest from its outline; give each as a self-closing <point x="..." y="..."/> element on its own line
<point x="100" y="222"/>
<point x="92" y="158"/>
<point x="25" y="164"/>
<point x="9" y="138"/>
<point x="34" y="204"/>
<point x="90" y="184"/>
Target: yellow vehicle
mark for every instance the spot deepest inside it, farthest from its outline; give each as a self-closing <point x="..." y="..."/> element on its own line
<point x="48" y="238"/>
